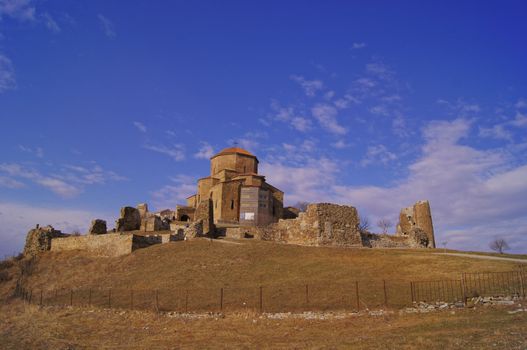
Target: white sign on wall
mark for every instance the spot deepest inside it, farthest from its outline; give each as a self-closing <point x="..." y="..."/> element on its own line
<point x="249" y="216"/>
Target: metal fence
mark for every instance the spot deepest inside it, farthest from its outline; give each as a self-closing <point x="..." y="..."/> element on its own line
<point x="289" y="298"/>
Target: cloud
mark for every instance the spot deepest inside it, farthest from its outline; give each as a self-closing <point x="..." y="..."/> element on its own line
<point x="340" y="144"/>
<point x="520" y="120"/>
<point x="140" y="126"/>
<point x="310" y="86"/>
<point x="50" y="23"/>
<point x="205" y="152"/>
<point x="378" y="154"/>
<point x="357" y="46"/>
<point x="7" y="74"/>
<point x="10" y="183"/>
<point x="327" y="117"/>
<point x="288" y="114"/>
<point x="21" y="10"/>
<point x="521" y="103"/>
<point x="497" y="132"/>
<point x="37" y="151"/>
<point x="107" y="26"/>
<point x="307" y="182"/>
<point x="181" y="187"/>
<point x="58" y="186"/>
<point x="467" y="187"/>
<point x="176" y="152"/>
<point x="18" y="218"/>
<point x="63" y="183"/>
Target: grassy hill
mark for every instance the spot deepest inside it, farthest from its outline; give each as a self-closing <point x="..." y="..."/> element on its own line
<point x="241" y="267"/>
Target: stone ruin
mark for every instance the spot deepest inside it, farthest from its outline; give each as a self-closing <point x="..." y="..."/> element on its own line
<point x="236" y="201"/>
<point x="38" y="240"/>
<point x="417" y="220"/>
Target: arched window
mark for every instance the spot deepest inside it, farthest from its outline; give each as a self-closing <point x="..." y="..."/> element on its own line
<point x="232" y="204"/>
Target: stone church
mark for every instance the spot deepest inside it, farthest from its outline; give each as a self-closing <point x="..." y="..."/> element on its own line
<point x="237" y="193"/>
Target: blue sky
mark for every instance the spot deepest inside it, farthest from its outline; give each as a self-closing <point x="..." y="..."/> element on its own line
<point x="374" y="104"/>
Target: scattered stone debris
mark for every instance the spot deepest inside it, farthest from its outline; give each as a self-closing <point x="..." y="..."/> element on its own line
<point x="423" y="307"/>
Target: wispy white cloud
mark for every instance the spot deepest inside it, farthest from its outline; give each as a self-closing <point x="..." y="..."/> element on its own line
<point x="205" y="152"/>
<point x="17" y="219"/>
<point x="497" y="132"/>
<point x="10" y="183"/>
<point x="107" y="26"/>
<point x="358" y="45"/>
<point x="311" y="87"/>
<point x="22" y="10"/>
<point x="7" y="74"/>
<point x="140" y="126"/>
<point x="50" y="23"/>
<point x="66" y="181"/>
<point x="176" y="192"/>
<point x="327" y="117"/>
<point x="37" y="151"/>
<point x="176" y="151"/>
<point x="521" y="103"/>
<point x="378" y="154"/>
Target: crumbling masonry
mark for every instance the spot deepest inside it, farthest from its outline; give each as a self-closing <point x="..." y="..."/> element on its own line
<point x="237" y="202"/>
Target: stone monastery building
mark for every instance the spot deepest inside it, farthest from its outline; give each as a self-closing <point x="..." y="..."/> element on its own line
<point x="236" y="202"/>
<point x="238" y="193"/>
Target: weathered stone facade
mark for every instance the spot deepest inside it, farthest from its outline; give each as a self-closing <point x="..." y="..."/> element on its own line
<point x="418" y="216"/>
<point x="323" y="224"/>
<point x="238" y="193"/>
<point x="38" y="240"/>
<point x="97" y="227"/>
<point x="111" y="244"/>
<point x="129" y="220"/>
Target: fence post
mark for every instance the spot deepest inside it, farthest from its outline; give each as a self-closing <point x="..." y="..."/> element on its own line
<point x="385" y="294"/>
<point x="522" y="288"/>
<point x="30" y="295"/>
<point x="412" y="292"/>
<point x="261" y="299"/>
<point x="132" y="299"/>
<point x="221" y="299"/>
<point x="157" y="300"/>
<point x="307" y="295"/>
<point x="463" y="292"/>
<point x="110" y="298"/>
<point x="89" y="297"/>
<point x="186" y="300"/>
<point x="71" y="297"/>
<point x="41" y="297"/>
<point x="357" y="294"/>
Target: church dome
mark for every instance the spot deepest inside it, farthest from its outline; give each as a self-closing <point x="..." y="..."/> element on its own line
<point x="234" y="150"/>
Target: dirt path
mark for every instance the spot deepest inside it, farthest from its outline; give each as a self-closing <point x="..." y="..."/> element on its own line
<point x="524" y="261"/>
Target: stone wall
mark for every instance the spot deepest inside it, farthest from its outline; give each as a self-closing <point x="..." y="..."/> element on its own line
<point x="323" y="224"/>
<point x="418" y="216"/>
<point x="204" y="213"/>
<point x="111" y="244"/>
<point x="38" y="240"/>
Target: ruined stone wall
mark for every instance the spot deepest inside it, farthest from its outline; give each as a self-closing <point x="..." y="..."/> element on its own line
<point x="323" y="224"/>
<point x="111" y="244"/>
<point x="418" y="216"/>
<point x="38" y="240"/>
<point x="205" y="214"/>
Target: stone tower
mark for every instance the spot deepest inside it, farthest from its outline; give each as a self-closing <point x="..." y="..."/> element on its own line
<point x="418" y="216"/>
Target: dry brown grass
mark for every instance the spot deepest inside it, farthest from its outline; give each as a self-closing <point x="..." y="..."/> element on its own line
<point x="203" y="267"/>
<point x="28" y="327"/>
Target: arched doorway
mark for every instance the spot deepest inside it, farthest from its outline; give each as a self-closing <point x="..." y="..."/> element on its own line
<point x="185" y="218"/>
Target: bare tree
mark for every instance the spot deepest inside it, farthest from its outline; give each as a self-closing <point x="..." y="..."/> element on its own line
<point x="302" y="206"/>
<point x="384" y="224"/>
<point x="364" y="224"/>
<point x="499" y="245"/>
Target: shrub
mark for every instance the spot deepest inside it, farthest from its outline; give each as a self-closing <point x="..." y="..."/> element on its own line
<point x="4" y="276"/>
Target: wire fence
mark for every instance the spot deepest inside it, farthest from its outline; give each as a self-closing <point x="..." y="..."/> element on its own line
<point x="289" y="298"/>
